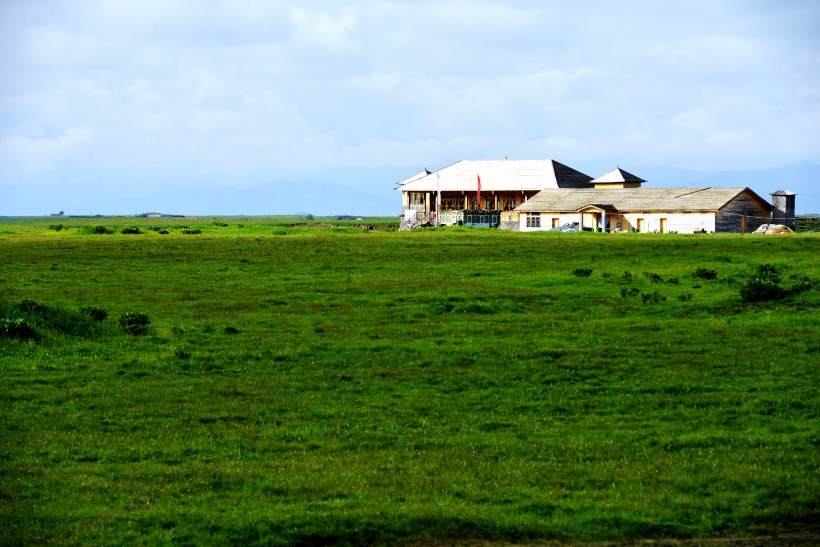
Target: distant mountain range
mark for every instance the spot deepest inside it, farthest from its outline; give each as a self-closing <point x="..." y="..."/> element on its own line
<point x="801" y="178"/>
<point x="371" y="193"/>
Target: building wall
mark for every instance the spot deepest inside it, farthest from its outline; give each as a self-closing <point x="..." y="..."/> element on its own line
<point x="731" y="217"/>
<point x="682" y="223"/>
<point x="546" y="220"/>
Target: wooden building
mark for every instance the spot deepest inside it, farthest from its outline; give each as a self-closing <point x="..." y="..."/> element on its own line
<point x="634" y="209"/>
<point x="505" y="185"/>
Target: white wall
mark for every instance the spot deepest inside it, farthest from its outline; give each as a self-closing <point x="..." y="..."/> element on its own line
<point x="546" y="220"/>
<point x="682" y="223"/>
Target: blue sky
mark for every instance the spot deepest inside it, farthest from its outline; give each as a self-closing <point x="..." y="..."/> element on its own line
<point x="102" y="100"/>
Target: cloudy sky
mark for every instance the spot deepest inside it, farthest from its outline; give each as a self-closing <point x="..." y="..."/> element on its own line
<point x="113" y="98"/>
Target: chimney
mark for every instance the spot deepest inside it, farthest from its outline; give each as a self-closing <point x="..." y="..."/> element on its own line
<point x="783" y="208"/>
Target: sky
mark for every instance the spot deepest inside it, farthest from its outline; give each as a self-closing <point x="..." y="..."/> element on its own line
<point x="107" y="99"/>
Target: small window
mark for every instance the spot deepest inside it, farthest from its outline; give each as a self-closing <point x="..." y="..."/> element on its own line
<point x="534" y="221"/>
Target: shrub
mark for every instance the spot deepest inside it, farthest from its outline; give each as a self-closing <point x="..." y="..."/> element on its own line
<point x="673" y="281"/>
<point x="97" y="229"/>
<point x="653" y="298"/>
<point x="18" y="328"/>
<point x="163" y="232"/>
<point x="802" y="283"/>
<point x="59" y="319"/>
<point x="759" y="289"/>
<point x="193" y="231"/>
<point x="763" y="285"/>
<point x="56" y="227"/>
<point x="769" y="270"/>
<point x="32" y="306"/>
<point x="705" y="273"/>
<point x="231" y="330"/>
<point x="633" y="291"/>
<point x="685" y="297"/>
<point x="476" y="308"/>
<point x="653" y="277"/>
<point x="182" y="354"/>
<point x="219" y="223"/>
<point x="582" y="272"/>
<point x="135" y="324"/>
<point x="628" y="277"/>
<point x="130" y="230"/>
<point x="97" y="314"/>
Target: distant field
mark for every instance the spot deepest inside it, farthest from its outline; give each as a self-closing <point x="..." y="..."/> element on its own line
<point x="311" y="382"/>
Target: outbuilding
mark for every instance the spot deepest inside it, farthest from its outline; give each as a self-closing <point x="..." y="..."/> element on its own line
<point x="647" y="210"/>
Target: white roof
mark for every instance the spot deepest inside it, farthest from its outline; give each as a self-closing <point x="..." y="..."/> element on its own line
<point x="498" y="176"/>
<point x="617" y="175"/>
<point x="422" y="173"/>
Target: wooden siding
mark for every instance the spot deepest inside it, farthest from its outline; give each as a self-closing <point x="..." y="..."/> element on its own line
<point x="730" y="217"/>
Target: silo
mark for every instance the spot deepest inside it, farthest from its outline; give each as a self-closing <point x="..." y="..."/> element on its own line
<point x="783" y="208"/>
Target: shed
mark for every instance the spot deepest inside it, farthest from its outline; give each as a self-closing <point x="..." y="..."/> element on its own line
<point x="682" y="210"/>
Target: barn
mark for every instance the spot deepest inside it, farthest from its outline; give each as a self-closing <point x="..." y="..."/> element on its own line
<point x="648" y="210"/>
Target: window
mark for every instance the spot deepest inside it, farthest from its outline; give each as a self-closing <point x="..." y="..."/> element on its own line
<point x="416" y="198"/>
<point x="534" y="221"/>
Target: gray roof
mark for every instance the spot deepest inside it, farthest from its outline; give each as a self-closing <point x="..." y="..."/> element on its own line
<point x="635" y="199"/>
<point x="498" y="176"/>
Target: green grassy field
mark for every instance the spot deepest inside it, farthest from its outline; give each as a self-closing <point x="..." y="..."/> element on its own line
<point x="312" y="383"/>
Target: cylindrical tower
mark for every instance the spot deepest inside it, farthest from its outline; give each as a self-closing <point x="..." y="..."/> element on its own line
<point x="783" y="208"/>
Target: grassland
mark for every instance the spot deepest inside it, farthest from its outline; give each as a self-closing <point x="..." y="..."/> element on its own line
<point x="314" y="384"/>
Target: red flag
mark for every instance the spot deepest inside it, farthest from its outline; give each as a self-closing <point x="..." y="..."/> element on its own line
<point x="479" y="190"/>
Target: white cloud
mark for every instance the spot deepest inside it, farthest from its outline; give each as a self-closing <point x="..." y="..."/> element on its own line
<point x="324" y="29"/>
<point x="29" y="156"/>
<point x="246" y="90"/>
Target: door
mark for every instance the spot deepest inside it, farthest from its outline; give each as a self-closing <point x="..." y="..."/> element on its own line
<point x="663" y="225"/>
<point x="640" y="225"/>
